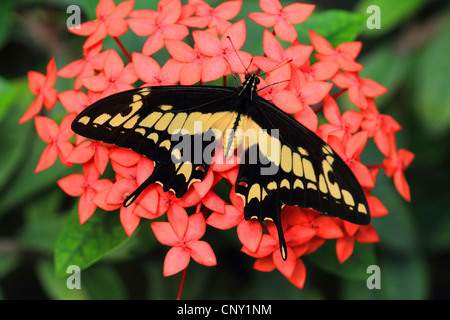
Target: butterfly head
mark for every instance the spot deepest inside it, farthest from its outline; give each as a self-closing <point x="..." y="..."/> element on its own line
<point x="248" y="88"/>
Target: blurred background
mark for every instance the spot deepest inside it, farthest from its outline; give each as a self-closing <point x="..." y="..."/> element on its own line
<point x="409" y="55"/>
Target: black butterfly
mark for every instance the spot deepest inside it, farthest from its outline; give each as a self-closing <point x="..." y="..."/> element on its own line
<point x="283" y="163"/>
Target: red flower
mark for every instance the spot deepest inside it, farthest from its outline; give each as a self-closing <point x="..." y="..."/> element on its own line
<point x="114" y="78"/>
<point x="158" y="25"/>
<point x="340" y="126"/>
<point x="363" y="234"/>
<point x="206" y="16"/>
<point x="359" y="89"/>
<point x="175" y="207"/>
<point x="321" y="70"/>
<point x="91" y="150"/>
<point x="280" y="18"/>
<point x="297" y="55"/>
<point x="131" y="170"/>
<point x="344" y="54"/>
<point x="227" y="216"/>
<point x="395" y="165"/>
<point x="42" y="86"/>
<point x="57" y="139"/>
<point x="276" y="90"/>
<point x="308" y="92"/>
<point x="224" y="52"/>
<point x="110" y="21"/>
<point x="380" y="127"/>
<point x="85" y="186"/>
<point x="192" y="59"/>
<point x="93" y="60"/>
<point x="269" y="256"/>
<point x="149" y="71"/>
<point x="350" y="153"/>
<point x="185" y="245"/>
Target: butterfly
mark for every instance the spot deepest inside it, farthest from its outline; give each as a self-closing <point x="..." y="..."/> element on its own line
<point x="180" y="127"/>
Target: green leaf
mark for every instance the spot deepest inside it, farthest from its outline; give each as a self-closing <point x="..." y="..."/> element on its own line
<point x="83" y="245"/>
<point x="42" y="222"/>
<point x="354" y="268"/>
<point x="392" y="13"/>
<point x="56" y="287"/>
<point x="96" y="283"/>
<point x="103" y="283"/>
<point x="397" y="229"/>
<point x="13" y="137"/>
<point x="337" y="26"/>
<point x="431" y="97"/>
<point x="6" y="17"/>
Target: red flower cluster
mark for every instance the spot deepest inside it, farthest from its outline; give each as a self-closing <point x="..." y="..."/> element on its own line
<point x="102" y="73"/>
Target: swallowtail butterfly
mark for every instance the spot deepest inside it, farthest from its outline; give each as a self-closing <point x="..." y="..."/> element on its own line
<point x="282" y="162"/>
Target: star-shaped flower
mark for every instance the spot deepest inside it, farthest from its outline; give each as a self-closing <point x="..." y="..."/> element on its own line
<point x="42" y="87"/>
<point x="186" y="245"/>
<point x="86" y="186"/>
<point x="57" y="139"/>
<point x="110" y="21"/>
<point x="282" y="19"/>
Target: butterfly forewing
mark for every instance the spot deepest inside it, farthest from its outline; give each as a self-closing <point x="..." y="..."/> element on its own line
<point x="164" y="124"/>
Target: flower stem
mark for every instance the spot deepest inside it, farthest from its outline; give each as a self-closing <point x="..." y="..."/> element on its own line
<point x="122" y="47"/>
<point x="180" y="290"/>
<point x="375" y="166"/>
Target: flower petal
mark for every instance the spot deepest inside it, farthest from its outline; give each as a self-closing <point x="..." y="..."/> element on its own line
<point x="202" y="253"/>
<point x="177" y="259"/>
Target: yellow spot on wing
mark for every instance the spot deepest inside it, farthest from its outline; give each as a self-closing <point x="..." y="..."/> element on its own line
<point x="186" y="170"/>
<point x="298" y="184"/>
<point x="153" y="136"/>
<point x="272" y="186"/>
<point x="311" y="186"/>
<point x="326" y="149"/>
<point x="164" y="122"/>
<point x="132" y="122"/>
<point x="348" y="198"/>
<point x="297" y="164"/>
<point x="84" y="120"/>
<point x="322" y="184"/>
<point x="119" y="119"/>
<point x="303" y="151"/>
<point x="362" y="208"/>
<point x="286" y="159"/>
<point x="165" y="107"/>
<point x="177" y="122"/>
<point x="285" y="183"/>
<point x="332" y="187"/>
<point x="309" y="170"/>
<point x="101" y="119"/>
<point x="141" y="131"/>
<point x="145" y="91"/>
<point x="150" y="120"/>
<point x="255" y="192"/>
<point x="165" y="144"/>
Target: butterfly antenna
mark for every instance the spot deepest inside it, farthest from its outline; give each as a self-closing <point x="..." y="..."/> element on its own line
<point x="272" y="84"/>
<point x="275" y="68"/>
<point x="242" y="62"/>
<point x="238" y="82"/>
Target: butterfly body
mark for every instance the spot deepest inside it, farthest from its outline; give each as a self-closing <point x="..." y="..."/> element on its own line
<point x="179" y="128"/>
